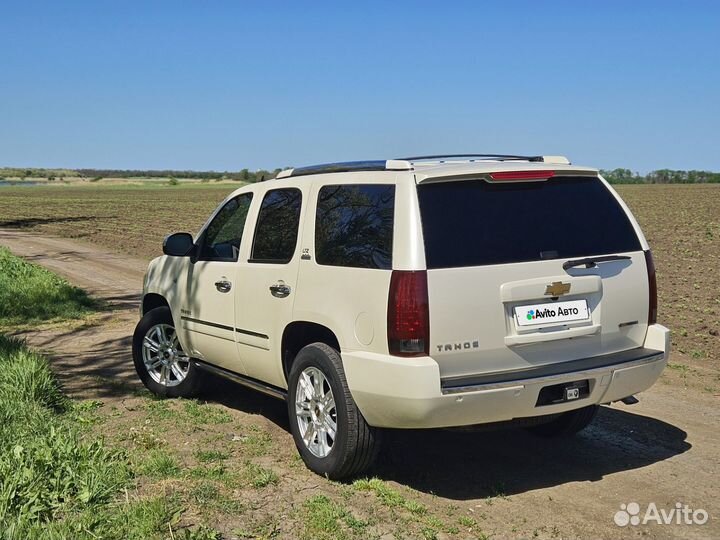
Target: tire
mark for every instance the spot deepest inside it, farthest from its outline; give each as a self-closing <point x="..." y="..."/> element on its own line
<point x="173" y="385"/>
<point x="355" y="444"/>
<point x="567" y="424"/>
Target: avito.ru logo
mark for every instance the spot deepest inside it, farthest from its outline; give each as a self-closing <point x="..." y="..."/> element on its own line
<point x="682" y="514"/>
<point x="540" y="313"/>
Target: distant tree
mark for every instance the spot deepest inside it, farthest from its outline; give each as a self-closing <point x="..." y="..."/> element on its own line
<point x="622" y="176"/>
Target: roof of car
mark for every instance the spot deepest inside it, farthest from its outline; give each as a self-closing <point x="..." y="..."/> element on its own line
<point x="455" y="165"/>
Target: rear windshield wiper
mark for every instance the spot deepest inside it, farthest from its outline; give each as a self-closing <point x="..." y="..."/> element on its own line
<point x="589" y="262"/>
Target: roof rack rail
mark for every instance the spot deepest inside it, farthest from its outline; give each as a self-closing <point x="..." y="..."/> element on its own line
<point x="347" y="166"/>
<point x="498" y="157"/>
<point x="405" y="164"/>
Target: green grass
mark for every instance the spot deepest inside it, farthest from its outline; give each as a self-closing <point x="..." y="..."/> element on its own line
<point x="47" y="470"/>
<point x="429" y="525"/>
<point x="388" y="496"/>
<point x="159" y="464"/>
<point x="260" y="477"/>
<point x="208" y="456"/>
<point x="324" y="519"/>
<point x="30" y="294"/>
<point x="159" y="409"/>
<point x="204" y="413"/>
<point x="256" y="442"/>
<point x="60" y="481"/>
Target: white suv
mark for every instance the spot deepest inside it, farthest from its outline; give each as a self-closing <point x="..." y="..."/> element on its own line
<point x="427" y="292"/>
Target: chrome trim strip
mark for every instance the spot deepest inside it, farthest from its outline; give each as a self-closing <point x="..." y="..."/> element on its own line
<point x="588" y="373"/>
<point x="206" y="323"/>
<point x="223" y="327"/>
<point x="250" y="333"/>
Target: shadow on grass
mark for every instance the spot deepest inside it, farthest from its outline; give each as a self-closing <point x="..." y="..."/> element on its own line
<point x="249" y="401"/>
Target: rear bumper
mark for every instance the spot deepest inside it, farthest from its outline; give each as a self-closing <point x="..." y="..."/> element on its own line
<point x="408" y="393"/>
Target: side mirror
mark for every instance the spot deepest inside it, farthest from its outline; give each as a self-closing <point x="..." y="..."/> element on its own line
<point x="178" y="244"/>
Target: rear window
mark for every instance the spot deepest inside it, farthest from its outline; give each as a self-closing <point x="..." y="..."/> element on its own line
<point x="474" y="223"/>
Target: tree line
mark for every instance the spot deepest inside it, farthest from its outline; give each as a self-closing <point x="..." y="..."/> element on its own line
<point x="244" y="175"/>
<point x="614" y="176"/>
<point x="661" y="176"/>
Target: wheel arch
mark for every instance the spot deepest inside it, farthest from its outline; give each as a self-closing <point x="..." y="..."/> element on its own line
<point x="298" y="334"/>
<point x="152" y="301"/>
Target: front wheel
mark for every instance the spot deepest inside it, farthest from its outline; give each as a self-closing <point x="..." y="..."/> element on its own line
<point x="330" y="432"/>
<point x="160" y="362"/>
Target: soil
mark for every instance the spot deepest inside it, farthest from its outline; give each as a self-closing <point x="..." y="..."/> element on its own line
<point x="663" y="450"/>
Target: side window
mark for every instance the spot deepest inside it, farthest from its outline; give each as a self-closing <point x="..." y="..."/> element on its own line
<point x="354" y="225"/>
<point x="221" y="240"/>
<point x="276" y="230"/>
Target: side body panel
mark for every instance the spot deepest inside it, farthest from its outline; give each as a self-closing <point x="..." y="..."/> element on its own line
<point x="352" y="302"/>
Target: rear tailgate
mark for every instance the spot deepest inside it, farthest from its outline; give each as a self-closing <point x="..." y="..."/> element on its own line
<point x="500" y="299"/>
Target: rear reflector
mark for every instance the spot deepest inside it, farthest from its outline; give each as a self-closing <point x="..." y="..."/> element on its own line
<point x="408" y="319"/>
<point x="652" y="288"/>
<point x="509" y="176"/>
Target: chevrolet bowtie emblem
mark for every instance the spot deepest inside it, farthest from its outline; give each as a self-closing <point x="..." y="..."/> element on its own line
<point x="557" y="288"/>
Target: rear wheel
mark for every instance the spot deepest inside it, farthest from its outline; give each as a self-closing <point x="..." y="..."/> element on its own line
<point x="159" y="359"/>
<point x="567" y="424"/>
<point x="330" y="432"/>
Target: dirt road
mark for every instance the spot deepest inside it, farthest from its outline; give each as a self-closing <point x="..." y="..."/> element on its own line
<point x="663" y="450"/>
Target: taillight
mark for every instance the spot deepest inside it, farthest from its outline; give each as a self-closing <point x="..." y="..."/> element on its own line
<point x="509" y="176"/>
<point x="652" y="286"/>
<point x="408" y="317"/>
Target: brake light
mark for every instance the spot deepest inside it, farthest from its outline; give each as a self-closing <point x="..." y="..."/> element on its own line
<point x="408" y="319"/>
<point x="509" y="176"/>
<point x="652" y="287"/>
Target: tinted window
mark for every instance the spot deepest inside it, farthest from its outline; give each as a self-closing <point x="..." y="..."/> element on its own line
<point x="354" y="226"/>
<point x="471" y="223"/>
<point x="277" y="226"/>
<point x="221" y="240"/>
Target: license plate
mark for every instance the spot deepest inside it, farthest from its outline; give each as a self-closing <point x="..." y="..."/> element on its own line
<point x="572" y="393"/>
<point x="551" y="313"/>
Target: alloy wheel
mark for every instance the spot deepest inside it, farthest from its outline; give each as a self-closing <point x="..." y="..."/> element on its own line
<point x="164" y="359"/>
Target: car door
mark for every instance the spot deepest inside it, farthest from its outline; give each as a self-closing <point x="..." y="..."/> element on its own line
<point x="266" y="284"/>
<point x="208" y="313"/>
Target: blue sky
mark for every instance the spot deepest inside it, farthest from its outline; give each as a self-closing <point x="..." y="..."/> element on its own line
<point x="226" y="85"/>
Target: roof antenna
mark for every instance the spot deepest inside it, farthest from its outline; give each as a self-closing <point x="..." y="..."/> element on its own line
<point x="262" y="177"/>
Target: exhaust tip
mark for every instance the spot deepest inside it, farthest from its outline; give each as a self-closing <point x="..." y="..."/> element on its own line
<point x="630" y="400"/>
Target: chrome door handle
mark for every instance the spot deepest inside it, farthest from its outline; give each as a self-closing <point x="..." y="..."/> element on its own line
<point x="279" y="290"/>
<point x="223" y="285"/>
